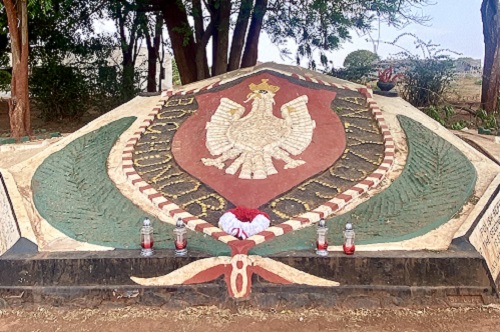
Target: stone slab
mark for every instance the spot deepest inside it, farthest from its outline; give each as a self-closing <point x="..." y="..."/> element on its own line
<point x="155" y="165"/>
<point x="485" y="234"/>
<point x="9" y="228"/>
<point x="62" y="276"/>
<point x="367" y="279"/>
<point x="486" y="144"/>
<point x="72" y="191"/>
<point x="417" y="268"/>
<point x="265" y="296"/>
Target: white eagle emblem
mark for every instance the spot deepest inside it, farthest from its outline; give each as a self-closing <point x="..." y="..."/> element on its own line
<point x="252" y="141"/>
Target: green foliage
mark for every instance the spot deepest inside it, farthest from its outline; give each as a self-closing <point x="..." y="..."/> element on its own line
<point x="62" y="91"/>
<point x="71" y="70"/>
<point x="360" y="75"/>
<point x="5" y="78"/>
<point x="426" y="77"/>
<point x="321" y="25"/>
<point x="59" y="91"/>
<point x="444" y="115"/>
<point x="426" y="80"/>
<point x="176" y="77"/>
<point x="359" y="66"/>
<point x="440" y="114"/>
<point x="107" y="91"/>
<point x="361" y="59"/>
<point x="486" y="120"/>
<point x="459" y="125"/>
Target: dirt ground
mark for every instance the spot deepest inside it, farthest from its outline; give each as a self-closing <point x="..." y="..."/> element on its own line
<point x="211" y="319"/>
<point x="62" y="126"/>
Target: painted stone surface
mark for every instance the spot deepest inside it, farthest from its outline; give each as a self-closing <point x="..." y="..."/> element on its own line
<point x="269" y="147"/>
<point x="173" y="152"/>
<point x="305" y="151"/>
<point x="437" y="181"/>
<point x="237" y="272"/>
<point x="205" y="130"/>
<point x="72" y="191"/>
<point x="486" y="236"/>
<point x="9" y="232"/>
<point x="294" y="146"/>
<point x="256" y="138"/>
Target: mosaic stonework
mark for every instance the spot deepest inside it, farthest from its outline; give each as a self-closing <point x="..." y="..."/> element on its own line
<point x="350" y="152"/>
<point x="344" y="148"/>
<point x="73" y="192"/>
<point x="436" y="183"/>
<point x="196" y="174"/>
<point x="295" y="147"/>
<point x="254" y="140"/>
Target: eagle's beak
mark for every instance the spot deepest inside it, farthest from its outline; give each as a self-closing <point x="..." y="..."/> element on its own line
<point x="252" y="95"/>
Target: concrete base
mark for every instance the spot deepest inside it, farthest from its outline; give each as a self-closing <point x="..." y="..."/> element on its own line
<point x="264" y="296"/>
<point x="367" y="279"/>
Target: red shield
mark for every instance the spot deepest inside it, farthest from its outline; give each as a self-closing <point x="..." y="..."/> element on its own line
<point x="327" y="145"/>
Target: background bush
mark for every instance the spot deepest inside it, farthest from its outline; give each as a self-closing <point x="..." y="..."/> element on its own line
<point x="5" y="79"/>
<point x="427" y="74"/>
<point x="426" y="80"/>
<point x="59" y="91"/>
<point x="359" y="66"/>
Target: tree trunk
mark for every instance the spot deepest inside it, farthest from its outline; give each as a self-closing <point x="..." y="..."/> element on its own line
<point x="239" y="34"/>
<point x="251" y="48"/>
<point x="152" y="59"/>
<point x="220" y="36"/>
<point x="153" y="52"/>
<point x="128" y="75"/>
<point x="181" y="37"/>
<point x="202" y="37"/>
<point x="128" y="44"/>
<point x="491" y="70"/>
<point x="203" y="71"/>
<point x="19" y="110"/>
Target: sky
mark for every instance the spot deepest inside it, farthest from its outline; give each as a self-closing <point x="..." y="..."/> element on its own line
<point x="454" y="25"/>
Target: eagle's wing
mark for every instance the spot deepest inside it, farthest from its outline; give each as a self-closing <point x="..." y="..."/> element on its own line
<point x="227" y="112"/>
<point x="300" y="125"/>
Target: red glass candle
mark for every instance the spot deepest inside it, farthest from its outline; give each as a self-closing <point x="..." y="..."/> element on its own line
<point x="147" y="244"/>
<point x="180" y="241"/>
<point x="349" y="236"/>
<point x="321" y="242"/>
<point x="147" y="240"/>
<point x="179" y="245"/>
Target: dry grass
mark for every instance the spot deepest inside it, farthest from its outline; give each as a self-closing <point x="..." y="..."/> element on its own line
<point x="215" y="315"/>
<point x="465" y="91"/>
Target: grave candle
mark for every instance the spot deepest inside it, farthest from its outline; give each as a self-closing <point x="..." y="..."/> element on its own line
<point x="349" y="236"/>
<point x="321" y="242"/>
<point x="180" y="241"/>
<point x="147" y="240"/>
